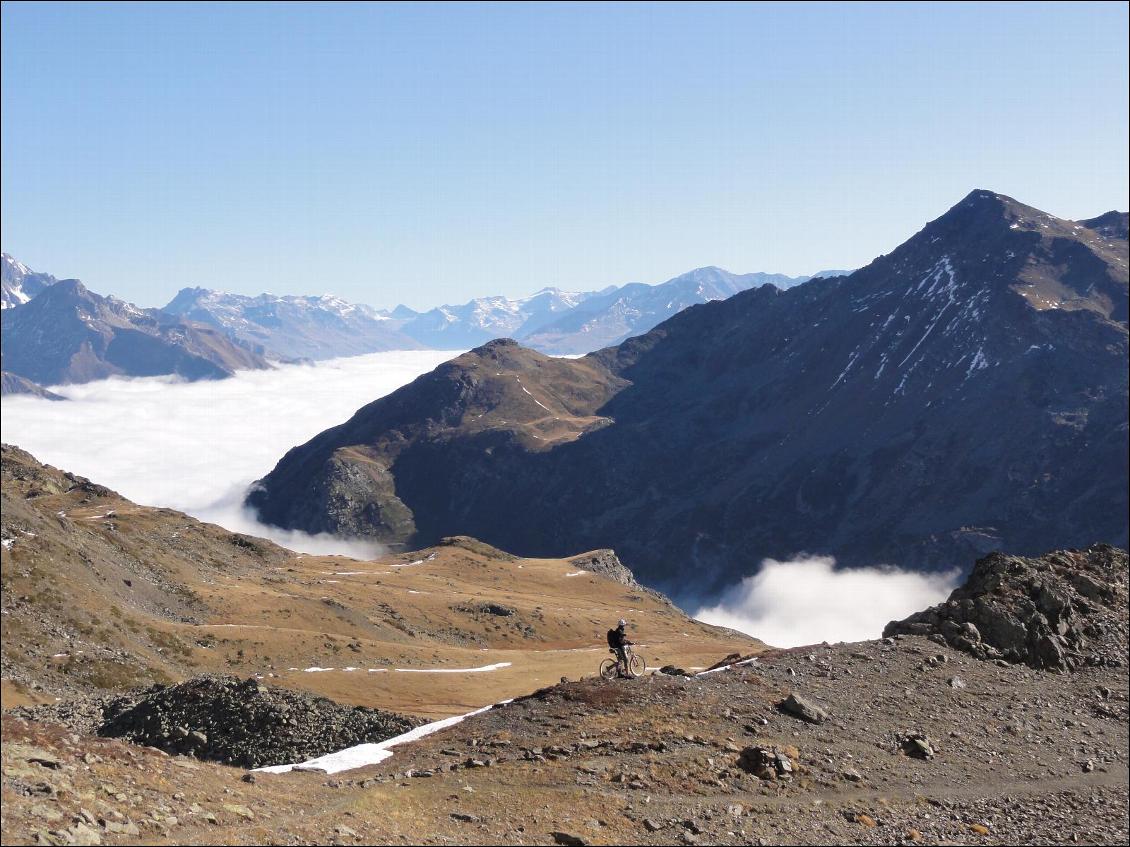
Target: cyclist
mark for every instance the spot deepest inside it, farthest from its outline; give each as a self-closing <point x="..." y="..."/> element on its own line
<point x="617" y="642"/>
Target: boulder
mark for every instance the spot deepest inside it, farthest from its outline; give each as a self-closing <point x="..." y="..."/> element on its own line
<point x="917" y="746"/>
<point x="766" y="763"/>
<point x="802" y="708"/>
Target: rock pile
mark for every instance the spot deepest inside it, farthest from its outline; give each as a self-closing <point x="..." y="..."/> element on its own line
<point x="767" y="762"/>
<point x="242" y="722"/>
<point x="1057" y="612"/>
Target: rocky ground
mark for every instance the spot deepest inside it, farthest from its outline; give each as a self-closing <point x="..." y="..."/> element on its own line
<point x="918" y="742"/>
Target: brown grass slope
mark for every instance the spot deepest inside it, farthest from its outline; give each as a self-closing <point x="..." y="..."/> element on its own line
<point x="102" y="594"/>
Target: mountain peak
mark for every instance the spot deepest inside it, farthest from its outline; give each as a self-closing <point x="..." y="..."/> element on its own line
<point x="497" y="345"/>
<point x="1113" y="224"/>
<point x="982" y="208"/>
<point x="989" y="242"/>
<point x="67" y="289"/>
<point x="15" y="264"/>
<point x="20" y="283"/>
<point x="403" y="313"/>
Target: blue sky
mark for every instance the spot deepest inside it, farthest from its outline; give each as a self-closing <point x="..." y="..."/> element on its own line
<point x="430" y="153"/>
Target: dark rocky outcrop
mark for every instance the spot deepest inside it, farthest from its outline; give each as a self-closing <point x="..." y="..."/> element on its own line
<point x="966" y="393"/>
<point x="242" y="722"/>
<point x="1056" y="612"/>
<point x="607" y="564"/>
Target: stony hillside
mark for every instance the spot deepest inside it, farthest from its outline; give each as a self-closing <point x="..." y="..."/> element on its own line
<point x="894" y="741"/>
<point x="963" y="394"/>
<point x="101" y="595"/>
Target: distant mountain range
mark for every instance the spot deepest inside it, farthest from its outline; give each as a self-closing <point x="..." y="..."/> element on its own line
<point x="965" y="393"/>
<point x="551" y="320"/>
<point x="61" y="332"/>
<point x="291" y="327"/>
<point x="64" y="333"/>
<point x="464" y="326"/>
<point x="556" y="322"/>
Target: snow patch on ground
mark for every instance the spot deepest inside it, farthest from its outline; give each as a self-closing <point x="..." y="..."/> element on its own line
<point x="371" y="754"/>
<point x="484" y="669"/>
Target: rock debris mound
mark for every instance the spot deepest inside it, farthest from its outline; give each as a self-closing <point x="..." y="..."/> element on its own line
<point x="245" y="723"/>
<point x="1061" y="611"/>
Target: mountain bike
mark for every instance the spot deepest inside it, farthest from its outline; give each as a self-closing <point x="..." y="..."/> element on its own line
<point x="611" y="668"/>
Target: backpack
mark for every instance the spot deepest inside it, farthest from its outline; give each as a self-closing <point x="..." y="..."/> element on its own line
<point x="613" y="639"/>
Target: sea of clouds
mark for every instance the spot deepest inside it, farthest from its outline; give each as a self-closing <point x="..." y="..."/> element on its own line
<point x="197" y="446"/>
<point x="808" y="600"/>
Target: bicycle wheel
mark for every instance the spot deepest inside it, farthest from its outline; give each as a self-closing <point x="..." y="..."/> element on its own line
<point x="608" y="668"/>
<point x="636" y="666"/>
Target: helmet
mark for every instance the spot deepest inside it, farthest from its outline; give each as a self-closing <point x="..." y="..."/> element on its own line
<point x="623" y="623"/>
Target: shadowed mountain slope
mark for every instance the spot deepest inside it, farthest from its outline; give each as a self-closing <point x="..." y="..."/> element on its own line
<point x="966" y="392"/>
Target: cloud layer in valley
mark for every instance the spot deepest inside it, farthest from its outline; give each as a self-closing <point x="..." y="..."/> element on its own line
<point x="197" y="446"/>
<point x="808" y="600"/>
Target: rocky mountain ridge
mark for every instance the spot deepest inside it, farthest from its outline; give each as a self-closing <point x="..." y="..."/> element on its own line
<point x="11" y="383"/>
<point x="19" y="283"/>
<point x="861" y="416"/>
<point x="69" y="334"/>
